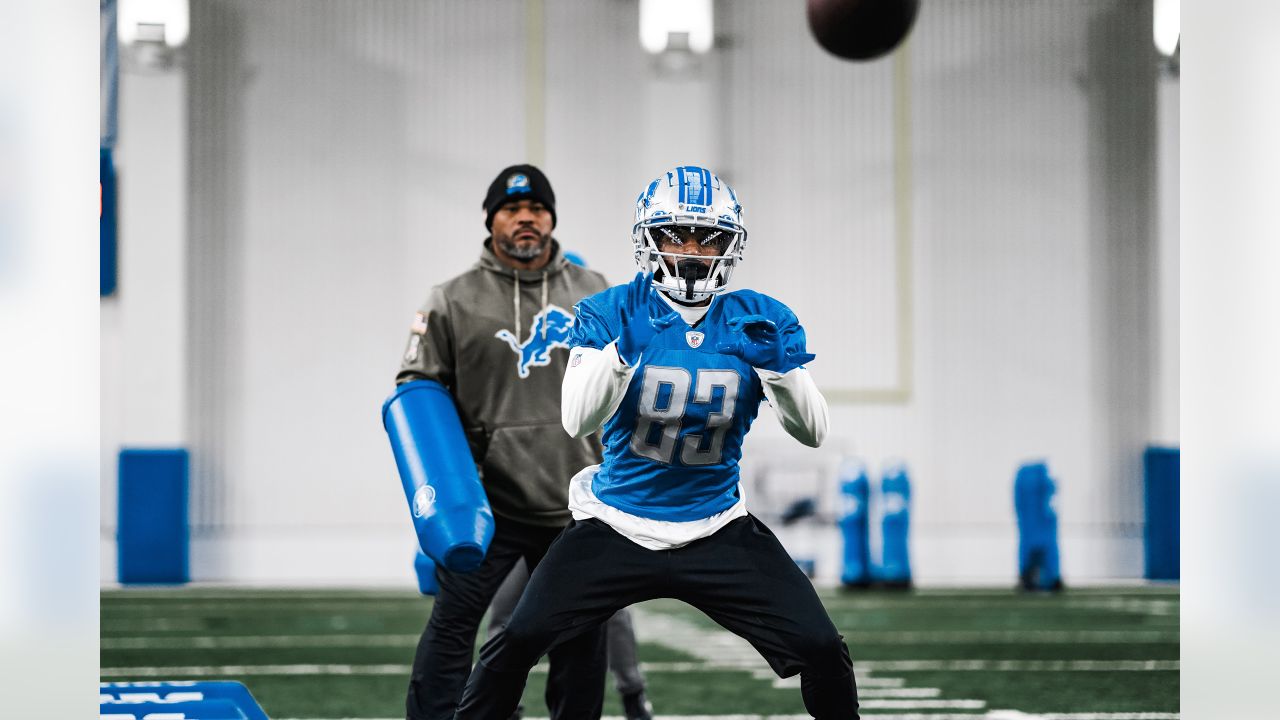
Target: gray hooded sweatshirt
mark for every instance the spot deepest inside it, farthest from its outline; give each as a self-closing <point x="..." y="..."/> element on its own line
<point x="497" y="339"/>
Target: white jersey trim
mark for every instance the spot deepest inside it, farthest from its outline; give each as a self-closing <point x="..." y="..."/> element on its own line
<point x="647" y="533"/>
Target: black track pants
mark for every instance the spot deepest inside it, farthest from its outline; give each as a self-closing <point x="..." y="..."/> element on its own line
<point x="620" y="634"/>
<point x="575" y="687"/>
<point x="741" y="577"/>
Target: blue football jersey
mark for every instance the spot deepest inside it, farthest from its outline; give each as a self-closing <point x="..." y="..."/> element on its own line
<point x="671" y="451"/>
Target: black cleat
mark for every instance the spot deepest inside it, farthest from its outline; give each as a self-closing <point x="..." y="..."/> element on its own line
<point x="636" y="707"/>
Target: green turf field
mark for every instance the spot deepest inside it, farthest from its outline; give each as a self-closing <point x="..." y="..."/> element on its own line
<point x="1086" y="654"/>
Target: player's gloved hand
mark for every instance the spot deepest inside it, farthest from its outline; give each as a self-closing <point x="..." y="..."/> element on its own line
<point x="638" y="328"/>
<point x="761" y="346"/>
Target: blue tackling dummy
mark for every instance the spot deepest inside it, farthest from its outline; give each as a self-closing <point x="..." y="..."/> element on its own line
<point x="450" y="510"/>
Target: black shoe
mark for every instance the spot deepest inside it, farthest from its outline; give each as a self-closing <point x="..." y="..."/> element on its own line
<point x="636" y="707"/>
<point x="519" y="713"/>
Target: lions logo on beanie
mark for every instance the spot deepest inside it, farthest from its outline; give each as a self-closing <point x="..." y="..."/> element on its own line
<point x="519" y="182"/>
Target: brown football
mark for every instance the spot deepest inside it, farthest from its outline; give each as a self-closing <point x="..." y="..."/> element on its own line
<point x="860" y="29"/>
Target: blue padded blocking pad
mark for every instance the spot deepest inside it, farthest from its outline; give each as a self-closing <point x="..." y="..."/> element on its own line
<point x="118" y="696"/>
<point x="1161" y="472"/>
<point x="152" y="531"/>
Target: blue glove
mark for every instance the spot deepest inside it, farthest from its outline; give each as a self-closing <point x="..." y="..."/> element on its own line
<point x="761" y="347"/>
<point x="638" y="329"/>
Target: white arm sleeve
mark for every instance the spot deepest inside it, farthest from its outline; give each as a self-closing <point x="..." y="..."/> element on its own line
<point x="593" y="387"/>
<point x="798" y="403"/>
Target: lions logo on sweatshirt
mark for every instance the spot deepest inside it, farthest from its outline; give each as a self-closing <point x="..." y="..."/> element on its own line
<point x="549" y="330"/>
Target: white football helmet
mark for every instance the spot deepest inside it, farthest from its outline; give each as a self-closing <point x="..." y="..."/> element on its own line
<point x="689" y="197"/>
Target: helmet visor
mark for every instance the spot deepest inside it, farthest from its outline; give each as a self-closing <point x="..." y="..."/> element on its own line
<point x="712" y="241"/>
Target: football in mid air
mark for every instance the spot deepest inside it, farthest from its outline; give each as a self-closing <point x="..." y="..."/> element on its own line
<point x="860" y="29"/>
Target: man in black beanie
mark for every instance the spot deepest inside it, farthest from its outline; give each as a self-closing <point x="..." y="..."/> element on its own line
<point x="494" y="337"/>
<point x="517" y="182"/>
<point x="520" y="213"/>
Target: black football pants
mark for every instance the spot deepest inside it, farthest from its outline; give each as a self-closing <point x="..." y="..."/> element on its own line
<point x="575" y="687"/>
<point x="620" y="634"/>
<point x="741" y="577"/>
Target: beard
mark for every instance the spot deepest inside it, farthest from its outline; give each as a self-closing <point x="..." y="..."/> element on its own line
<point x="523" y="251"/>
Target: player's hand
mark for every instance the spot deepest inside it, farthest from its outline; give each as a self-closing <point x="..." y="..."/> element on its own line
<point x="638" y="328"/>
<point x="760" y="345"/>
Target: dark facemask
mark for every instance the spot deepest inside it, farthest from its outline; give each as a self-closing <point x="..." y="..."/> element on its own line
<point x="691" y="271"/>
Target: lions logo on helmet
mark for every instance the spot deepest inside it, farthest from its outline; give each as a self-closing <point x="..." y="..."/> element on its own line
<point x="691" y="197"/>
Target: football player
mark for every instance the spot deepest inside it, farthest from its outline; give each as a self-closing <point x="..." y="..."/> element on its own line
<point x="673" y="367"/>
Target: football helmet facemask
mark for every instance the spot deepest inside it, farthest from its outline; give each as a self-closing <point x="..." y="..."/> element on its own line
<point x="689" y="202"/>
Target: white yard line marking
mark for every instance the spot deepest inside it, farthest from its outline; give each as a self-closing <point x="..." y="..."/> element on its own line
<point x="861" y="667"/>
<point x="154" y="624"/>
<point x="921" y="704"/>
<point x="866" y="688"/>
<point x="339" y="669"/>
<point x="1016" y="715"/>
<point x="384" y="669"/>
<point x="969" y="637"/>
<point x="1109" y="716"/>
<point x="1018" y="665"/>
<point x="897" y="698"/>
<point x="921" y="692"/>
<point x="717" y="648"/>
<point x="206" y="642"/>
<point x="1145" y="606"/>
<point x="1072" y="637"/>
<point x="186" y="594"/>
<point x="1159" y="605"/>
<point x="251" y="670"/>
<point x="881" y="682"/>
<point x="1107" y="590"/>
<point x="356" y="606"/>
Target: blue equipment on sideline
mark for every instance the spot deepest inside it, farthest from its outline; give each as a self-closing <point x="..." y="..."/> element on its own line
<point x="451" y="513"/>
<point x="855" y="525"/>
<point x="206" y="710"/>
<point x="152" y="538"/>
<point x="425" y="568"/>
<point x="1161" y="471"/>
<point x="204" y="700"/>
<point x="1033" y="501"/>
<point x="895" y="524"/>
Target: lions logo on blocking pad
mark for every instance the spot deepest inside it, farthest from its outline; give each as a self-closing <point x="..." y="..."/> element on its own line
<point x="549" y="330"/>
<point x="424" y="502"/>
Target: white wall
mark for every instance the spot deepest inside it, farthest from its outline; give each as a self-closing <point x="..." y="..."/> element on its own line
<point x="143" y="324"/>
<point x="1166" y="377"/>
<point x="340" y="150"/>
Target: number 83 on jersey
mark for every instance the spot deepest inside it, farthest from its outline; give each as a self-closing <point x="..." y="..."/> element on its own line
<point x="674" y="398"/>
